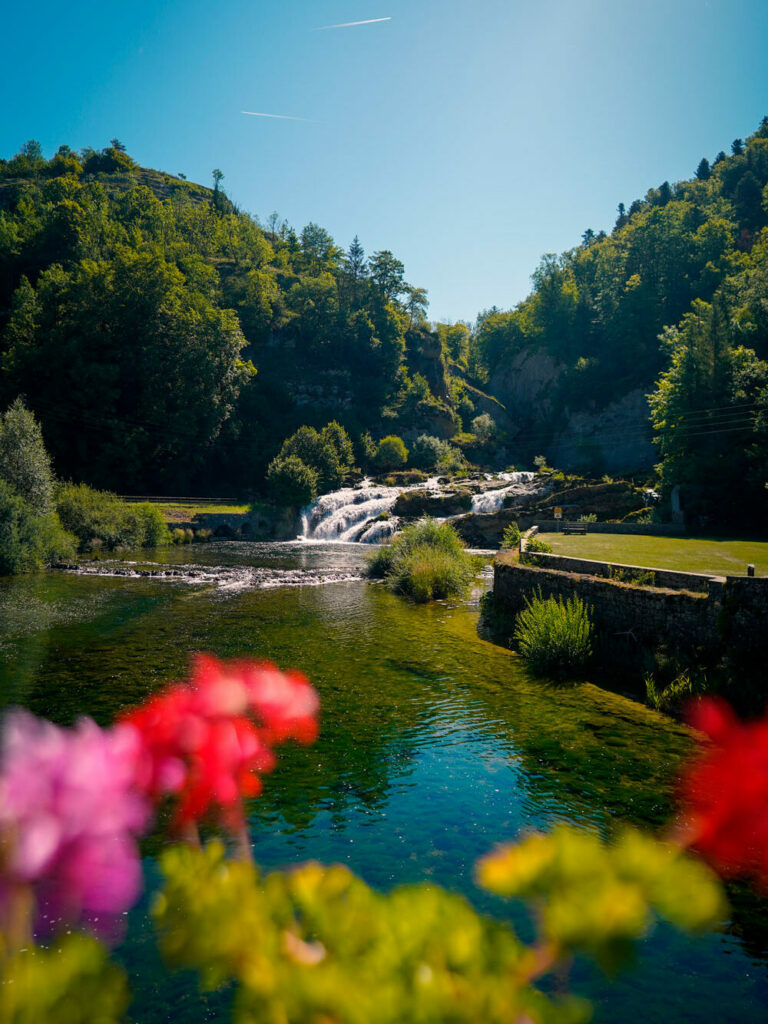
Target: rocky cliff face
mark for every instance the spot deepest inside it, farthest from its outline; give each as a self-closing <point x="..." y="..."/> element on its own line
<point x="612" y="439"/>
<point x="616" y="439"/>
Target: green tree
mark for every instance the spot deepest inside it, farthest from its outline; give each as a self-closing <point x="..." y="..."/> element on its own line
<point x="24" y="462"/>
<point x="336" y="436"/>
<point x="137" y="370"/>
<point x="387" y="274"/>
<point x="317" y="452"/>
<point x="292" y="482"/>
<point x="391" y="453"/>
<point x="703" y="171"/>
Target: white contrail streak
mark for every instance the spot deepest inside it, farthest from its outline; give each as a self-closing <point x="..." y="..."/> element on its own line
<point x="280" y="117"/>
<point x="352" y="24"/>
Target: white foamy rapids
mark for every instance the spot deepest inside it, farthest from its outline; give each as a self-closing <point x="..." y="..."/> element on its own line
<point x="493" y="501"/>
<point x="347" y="514"/>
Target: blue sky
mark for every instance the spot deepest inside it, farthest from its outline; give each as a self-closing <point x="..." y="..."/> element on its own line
<point x="468" y="138"/>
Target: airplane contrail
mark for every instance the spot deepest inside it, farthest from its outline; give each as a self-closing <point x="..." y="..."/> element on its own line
<point x="279" y="117"/>
<point x="352" y="24"/>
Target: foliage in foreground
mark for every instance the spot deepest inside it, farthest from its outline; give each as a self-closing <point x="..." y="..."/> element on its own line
<point x="315" y="943"/>
<point x="554" y="636"/>
<point x="101" y="517"/>
<point x="427" y="561"/>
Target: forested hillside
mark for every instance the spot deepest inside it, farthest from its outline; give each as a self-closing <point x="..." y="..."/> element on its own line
<point x="167" y="341"/>
<point x="673" y="302"/>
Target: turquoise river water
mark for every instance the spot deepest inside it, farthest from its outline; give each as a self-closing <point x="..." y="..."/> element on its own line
<point x="435" y="745"/>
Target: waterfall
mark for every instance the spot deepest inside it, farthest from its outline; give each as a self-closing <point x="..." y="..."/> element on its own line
<point x="351" y="514"/>
<point x="493" y="501"/>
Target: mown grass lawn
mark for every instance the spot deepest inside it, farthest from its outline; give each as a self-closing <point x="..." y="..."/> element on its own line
<point x="690" y="554"/>
<point x="178" y="512"/>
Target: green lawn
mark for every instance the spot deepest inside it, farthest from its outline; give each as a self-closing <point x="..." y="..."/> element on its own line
<point x="689" y="554"/>
<point x="179" y="512"/>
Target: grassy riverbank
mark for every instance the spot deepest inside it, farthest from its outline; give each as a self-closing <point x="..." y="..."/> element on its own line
<point x="687" y="554"/>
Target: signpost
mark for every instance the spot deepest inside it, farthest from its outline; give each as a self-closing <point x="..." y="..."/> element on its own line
<point x="558" y="515"/>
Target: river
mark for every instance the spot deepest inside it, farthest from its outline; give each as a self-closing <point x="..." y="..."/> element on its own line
<point x="435" y="744"/>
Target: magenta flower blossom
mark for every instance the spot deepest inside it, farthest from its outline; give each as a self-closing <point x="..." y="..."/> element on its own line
<point x="70" y="812"/>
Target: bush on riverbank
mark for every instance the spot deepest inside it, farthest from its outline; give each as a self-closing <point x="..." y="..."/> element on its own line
<point x="554" y="636"/>
<point x="29" y="540"/>
<point x="102" y="517"/>
<point x="427" y="561"/>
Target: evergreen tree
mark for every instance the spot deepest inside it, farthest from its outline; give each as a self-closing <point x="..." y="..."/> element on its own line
<point x="703" y="170"/>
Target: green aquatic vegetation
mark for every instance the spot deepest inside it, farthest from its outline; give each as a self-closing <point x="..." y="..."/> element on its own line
<point x="554" y="636"/>
<point x="427" y="561"/>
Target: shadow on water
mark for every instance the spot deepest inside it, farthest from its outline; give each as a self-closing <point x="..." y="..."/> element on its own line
<point x="435" y="744"/>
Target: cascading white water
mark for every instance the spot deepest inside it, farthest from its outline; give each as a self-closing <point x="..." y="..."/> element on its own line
<point x="346" y="514"/>
<point x="493" y="501"/>
<point x="352" y="514"/>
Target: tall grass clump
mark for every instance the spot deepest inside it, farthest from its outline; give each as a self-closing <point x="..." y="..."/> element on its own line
<point x="554" y="636"/>
<point x="427" y="561"/>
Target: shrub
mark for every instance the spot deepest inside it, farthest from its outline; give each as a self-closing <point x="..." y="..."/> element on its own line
<point x="452" y="461"/>
<point x="391" y="453"/>
<point x="588" y="517"/>
<point x="178" y="536"/>
<point x="28" y="540"/>
<point x="150" y="525"/>
<point x="483" y="427"/>
<point x="100" y="515"/>
<point x="554" y="636"/>
<point x="426" y="451"/>
<point x="24" y="462"/>
<point x="511" y="536"/>
<point x="427" y="561"/>
<point x="291" y="481"/>
<point x="537" y="544"/>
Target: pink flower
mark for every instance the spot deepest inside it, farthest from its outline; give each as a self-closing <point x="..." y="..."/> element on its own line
<point x="70" y="813"/>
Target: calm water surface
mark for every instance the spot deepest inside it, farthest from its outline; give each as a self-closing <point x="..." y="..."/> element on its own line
<point x="435" y="744"/>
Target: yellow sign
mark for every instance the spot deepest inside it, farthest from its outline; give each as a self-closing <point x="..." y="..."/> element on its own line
<point x="558" y="513"/>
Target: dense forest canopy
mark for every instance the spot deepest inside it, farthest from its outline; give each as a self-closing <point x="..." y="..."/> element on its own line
<point x="165" y="340"/>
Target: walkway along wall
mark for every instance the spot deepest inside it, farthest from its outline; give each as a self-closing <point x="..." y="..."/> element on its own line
<point x="729" y="618"/>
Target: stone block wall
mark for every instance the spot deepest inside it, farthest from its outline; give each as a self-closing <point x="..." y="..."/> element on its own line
<point x="665" y="578"/>
<point x="647" y="617"/>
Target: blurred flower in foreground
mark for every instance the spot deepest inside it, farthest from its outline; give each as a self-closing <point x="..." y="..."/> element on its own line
<point x="209" y="740"/>
<point x="69" y="818"/>
<point x="725" y="792"/>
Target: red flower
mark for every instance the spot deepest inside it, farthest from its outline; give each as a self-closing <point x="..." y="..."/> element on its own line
<point x="725" y="792"/>
<point x="209" y="740"/>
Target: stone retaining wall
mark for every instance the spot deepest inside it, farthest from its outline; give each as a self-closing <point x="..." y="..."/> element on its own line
<point x="665" y="578"/>
<point x="729" y="617"/>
